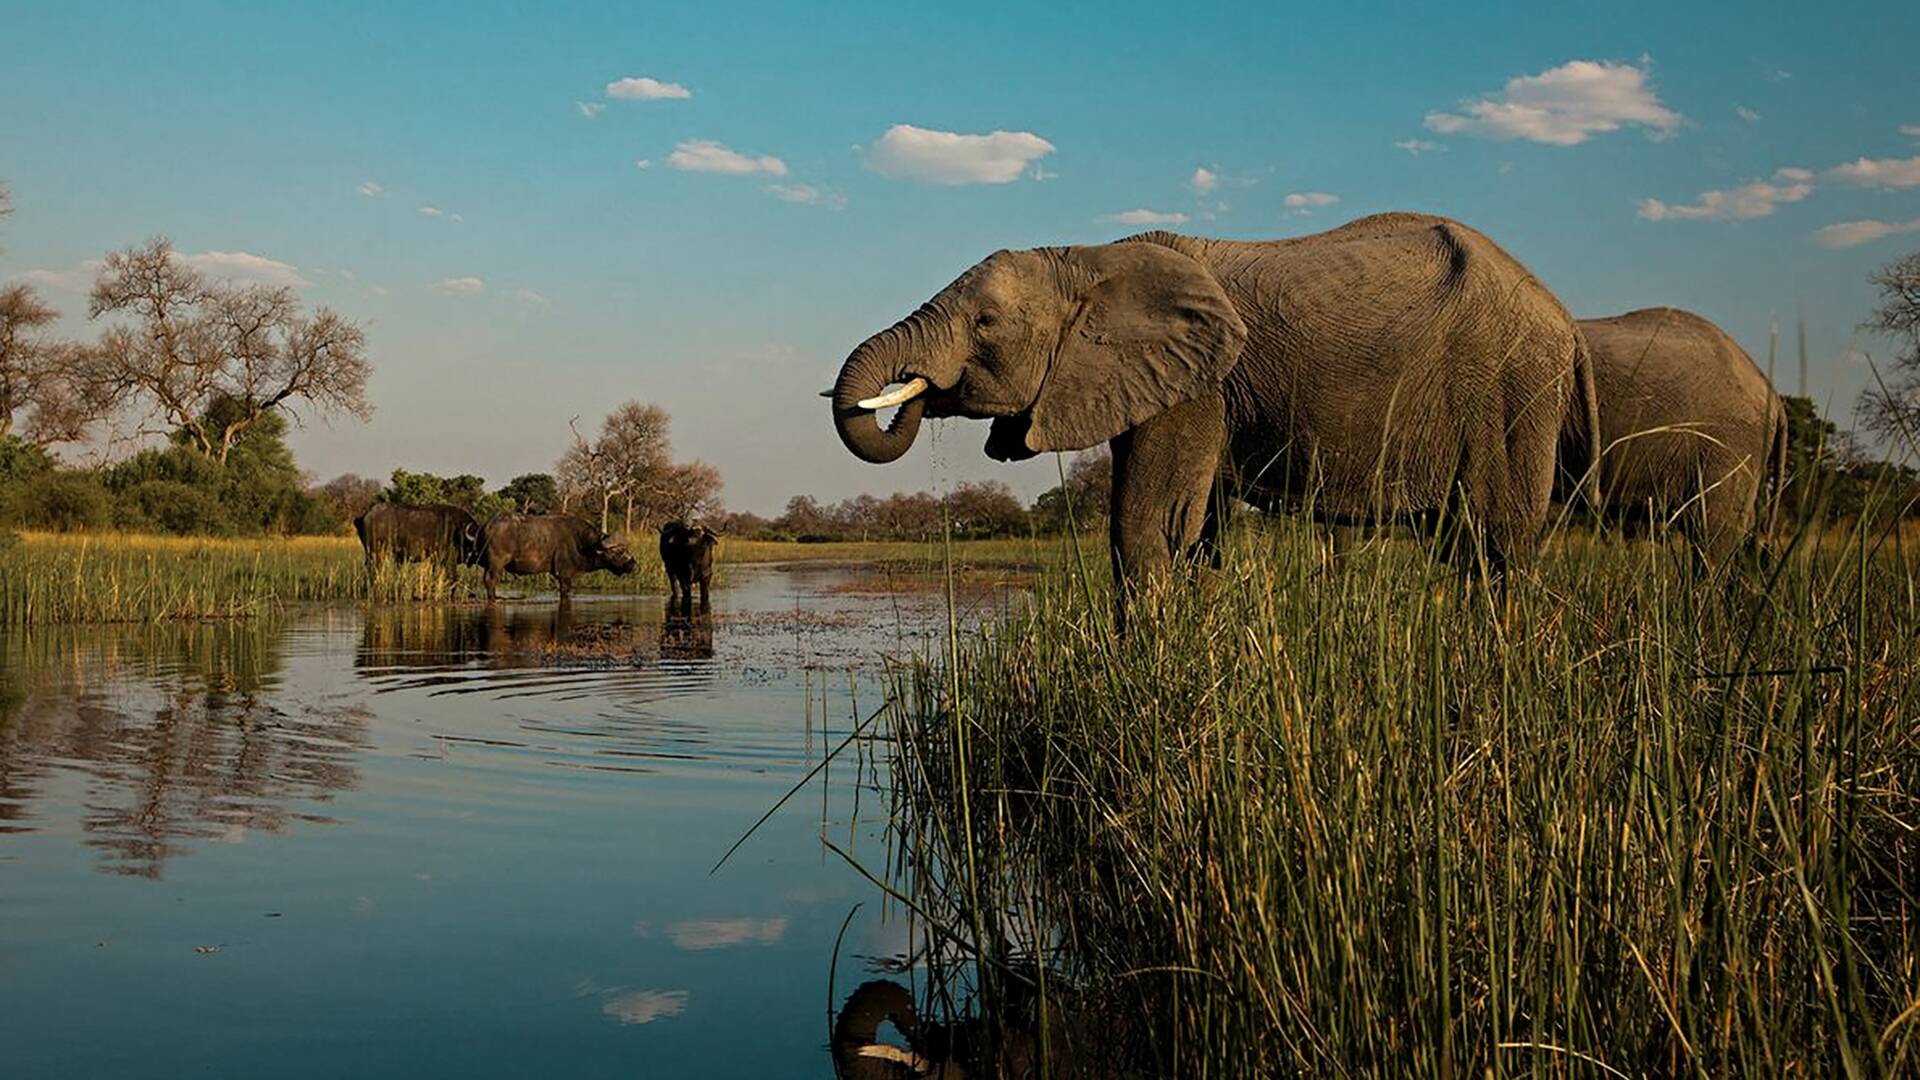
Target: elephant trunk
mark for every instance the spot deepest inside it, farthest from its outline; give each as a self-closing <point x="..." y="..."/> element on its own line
<point x="879" y="361"/>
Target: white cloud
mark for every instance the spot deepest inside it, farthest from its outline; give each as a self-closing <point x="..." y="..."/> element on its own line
<point x="1416" y="147"/>
<point x="1854" y="233"/>
<point x="1910" y="129"/>
<point x="1203" y="181"/>
<point x="436" y="212"/>
<point x="1746" y="114"/>
<point x="806" y="195"/>
<point x="459" y="286"/>
<point x="528" y="296"/>
<point x="1143" y="217"/>
<point x="370" y="189"/>
<point x="1756" y="199"/>
<point x="1040" y="172"/>
<point x="646" y="1006"/>
<point x="906" y="152"/>
<point x="1880" y="173"/>
<point x="643" y="164"/>
<point x="1563" y="106"/>
<point x="1306" y="202"/>
<point x="707" y="156"/>
<point x="77" y="280"/>
<point x="590" y="109"/>
<point x="646" y="88"/>
<point x="244" y="267"/>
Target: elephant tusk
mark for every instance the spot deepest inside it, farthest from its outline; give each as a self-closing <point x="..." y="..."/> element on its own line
<point x="907" y="393"/>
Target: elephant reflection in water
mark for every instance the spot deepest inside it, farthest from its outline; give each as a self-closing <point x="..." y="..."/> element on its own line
<point x="963" y="1049"/>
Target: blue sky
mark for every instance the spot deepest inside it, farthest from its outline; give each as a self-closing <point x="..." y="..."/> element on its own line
<point x="726" y="282"/>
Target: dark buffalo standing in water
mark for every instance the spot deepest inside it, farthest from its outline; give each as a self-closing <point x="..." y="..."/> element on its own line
<point x="687" y="552"/>
<point x="557" y="544"/>
<point x="436" y="533"/>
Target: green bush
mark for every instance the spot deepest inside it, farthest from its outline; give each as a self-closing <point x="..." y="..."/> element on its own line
<point x="59" y="501"/>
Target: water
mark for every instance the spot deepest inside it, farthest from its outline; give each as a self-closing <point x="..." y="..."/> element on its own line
<point x="446" y="841"/>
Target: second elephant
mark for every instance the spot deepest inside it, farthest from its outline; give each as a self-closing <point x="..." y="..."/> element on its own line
<point x="1693" y="431"/>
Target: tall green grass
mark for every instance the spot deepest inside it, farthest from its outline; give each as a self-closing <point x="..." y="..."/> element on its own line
<point x="117" y="577"/>
<point x="1366" y="820"/>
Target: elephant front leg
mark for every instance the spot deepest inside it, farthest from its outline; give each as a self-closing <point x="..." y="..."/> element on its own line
<point x="1163" y="479"/>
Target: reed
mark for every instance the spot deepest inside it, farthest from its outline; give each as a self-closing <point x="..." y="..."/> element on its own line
<point x="1363" y="819"/>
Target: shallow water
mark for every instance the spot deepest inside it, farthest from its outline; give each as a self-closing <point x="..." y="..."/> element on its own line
<point x="445" y="840"/>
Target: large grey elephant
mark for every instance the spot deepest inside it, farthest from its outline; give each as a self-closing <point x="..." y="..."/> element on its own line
<point x="1693" y="430"/>
<point x="1373" y="371"/>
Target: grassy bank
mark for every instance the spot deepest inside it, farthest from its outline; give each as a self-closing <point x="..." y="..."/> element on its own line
<point x="122" y="577"/>
<point x="1368" y="822"/>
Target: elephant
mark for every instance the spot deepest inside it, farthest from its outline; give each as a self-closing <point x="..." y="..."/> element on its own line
<point x="1399" y="367"/>
<point x="1693" y="430"/>
<point x="687" y="553"/>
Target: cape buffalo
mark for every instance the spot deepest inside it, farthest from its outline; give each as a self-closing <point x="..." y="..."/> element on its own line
<point x="687" y="552"/>
<point x="436" y="533"/>
<point x="557" y="544"/>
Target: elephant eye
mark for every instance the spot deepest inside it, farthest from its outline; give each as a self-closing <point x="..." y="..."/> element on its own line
<point x="985" y="320"/>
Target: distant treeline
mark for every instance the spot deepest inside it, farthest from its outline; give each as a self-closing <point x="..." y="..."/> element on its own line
<point x="259" y="489"/>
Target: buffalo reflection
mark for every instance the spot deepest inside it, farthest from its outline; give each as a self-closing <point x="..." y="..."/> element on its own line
<point x="687" y="636"/>
<point x="175" y="727"/>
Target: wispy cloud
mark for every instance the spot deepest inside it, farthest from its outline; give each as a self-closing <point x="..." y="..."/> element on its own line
<point x="244" y="266"/>
<point x="1416" y="147"/>
<point x="1143" y="216"/>
<point x="528" y="296"/>
<point x="707" y="156"/>
<point x="1848" y="234"/>
<point x="79" y="279"/>
<point x="1879" y="172"/>
<point x="445" y="215"/>
<point x="590" y="109"/>
<point x="459" y="286"/>
<point x="370" y="189"/>
<point x="1306" y="202"/>
<point x="1756" y="199"/>
<point x="1912" y="130"/>
<point x="1203" y="181"/>
<point x="906" y="152"/>
<point x="643" y="164"/>
<point x="646" y="88"/>
<point x="1746" y="114"/>
<point x="1563" y="106"/>
<point x="806" y="195"/>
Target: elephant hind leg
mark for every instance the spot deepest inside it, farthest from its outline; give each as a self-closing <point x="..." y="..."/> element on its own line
<point x="1723" y="515"/>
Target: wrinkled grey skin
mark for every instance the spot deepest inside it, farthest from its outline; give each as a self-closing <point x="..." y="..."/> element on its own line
<point x="1693" y="431"/>
<point x="687" y="553"/>
<point x="438" y="532"/>
<point x="1371" y="371"/>
<point x="557" y="544"/>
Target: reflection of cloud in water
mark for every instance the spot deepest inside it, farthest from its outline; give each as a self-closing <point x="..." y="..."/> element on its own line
<point x="725" y="933"/>
<point x="646" y="1006"/>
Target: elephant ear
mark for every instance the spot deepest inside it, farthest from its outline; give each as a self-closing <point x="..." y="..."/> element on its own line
<point x="1154" y="330"/>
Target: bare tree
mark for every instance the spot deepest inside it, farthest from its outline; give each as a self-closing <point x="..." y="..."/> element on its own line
<point x="583" y="473"/>
<point x="211" y="358"/>
<point x="1894" y="409"/>
<point x="38" y="374"/>
<point x="687" y="492"/>
<point x="634" y="443"/>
